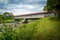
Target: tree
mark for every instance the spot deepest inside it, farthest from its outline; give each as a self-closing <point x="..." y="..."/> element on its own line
<point x="9" y="16"/>
<point x="2" y="18"/>
<point x="53" y="5"/>
<point x="6" y="16"/>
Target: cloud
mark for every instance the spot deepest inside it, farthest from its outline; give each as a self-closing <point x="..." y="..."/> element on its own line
<point x="24" y="7"/>
<point x="33" y="1"/>
<point x="21" y="6"/>
<point x="22" y="1"/>
<point x="4" y="1"/>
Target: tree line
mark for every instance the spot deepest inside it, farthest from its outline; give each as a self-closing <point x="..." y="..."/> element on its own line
<point x="53" y="5"/>
<point x="6" y="16"/>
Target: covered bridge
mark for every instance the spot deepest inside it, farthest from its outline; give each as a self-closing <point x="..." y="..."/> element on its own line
<point x="34" y="15"/>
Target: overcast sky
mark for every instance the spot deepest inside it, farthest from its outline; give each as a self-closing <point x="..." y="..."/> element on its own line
<point x="19" y="7"/>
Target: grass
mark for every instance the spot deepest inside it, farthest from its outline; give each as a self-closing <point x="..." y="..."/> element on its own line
<point x="9" y="21"/>
<point x="42" y="29"/>
<point x="48" y="29"/>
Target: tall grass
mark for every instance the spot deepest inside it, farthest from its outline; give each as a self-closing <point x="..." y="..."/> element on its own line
<point x="43" y="29"/>
<point x="7" y="33"/>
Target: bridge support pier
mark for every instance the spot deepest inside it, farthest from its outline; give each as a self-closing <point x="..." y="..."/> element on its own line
<point x="25" y="20"/>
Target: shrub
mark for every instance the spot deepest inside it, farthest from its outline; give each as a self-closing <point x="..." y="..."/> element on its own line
<point x="7" y="33"/>
<point x="9" y="21"/>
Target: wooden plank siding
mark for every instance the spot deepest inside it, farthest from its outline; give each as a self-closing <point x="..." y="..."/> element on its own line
<point x="35" y="15"/>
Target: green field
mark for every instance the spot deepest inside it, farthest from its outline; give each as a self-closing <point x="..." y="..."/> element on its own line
<point x="42" y="29"/>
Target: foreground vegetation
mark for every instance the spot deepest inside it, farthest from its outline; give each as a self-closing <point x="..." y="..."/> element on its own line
<point x="43" y="29"/>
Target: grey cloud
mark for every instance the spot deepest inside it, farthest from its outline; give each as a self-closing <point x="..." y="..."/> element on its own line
<point x="11" y="5"/>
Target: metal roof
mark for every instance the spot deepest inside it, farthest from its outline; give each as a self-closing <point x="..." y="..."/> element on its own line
<point x="34" y="14"/>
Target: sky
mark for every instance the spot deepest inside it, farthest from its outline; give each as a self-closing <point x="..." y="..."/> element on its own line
<point x="19" y="7"/>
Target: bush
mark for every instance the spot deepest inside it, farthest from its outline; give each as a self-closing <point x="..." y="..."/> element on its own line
<point x="9" y="21"/>
<point x="7" y="33"/>
<point x="19" y="20"/>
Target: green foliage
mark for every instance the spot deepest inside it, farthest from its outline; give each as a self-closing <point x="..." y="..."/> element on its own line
<point x="19" y="20"/>
<point x="2" y="18"/>
<point x="9" y="21"/>
<point x="8" y="16"/>
<point x="26" y="32"/>
<point x="48" y="29"/>
<point x="43" y="29"/>
<point x="53" y="5"/>
<point x="7" y="33"/>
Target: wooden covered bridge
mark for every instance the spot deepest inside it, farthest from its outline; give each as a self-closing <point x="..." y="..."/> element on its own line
<point x="34" y="15"/>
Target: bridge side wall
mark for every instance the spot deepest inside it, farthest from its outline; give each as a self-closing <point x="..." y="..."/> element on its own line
<point x="35" y="16"/>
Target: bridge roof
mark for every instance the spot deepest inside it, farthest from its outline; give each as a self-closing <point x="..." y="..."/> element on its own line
<point x="36" y="13"/>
